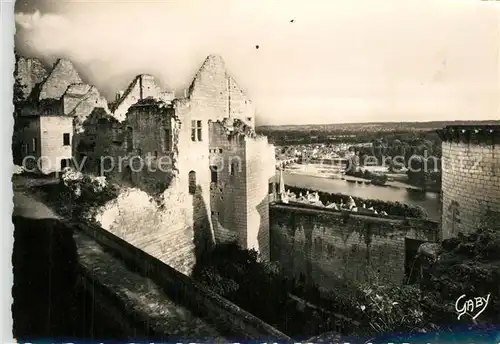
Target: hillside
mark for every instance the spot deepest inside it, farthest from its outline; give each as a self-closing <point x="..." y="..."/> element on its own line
<point x="374" y="126"/>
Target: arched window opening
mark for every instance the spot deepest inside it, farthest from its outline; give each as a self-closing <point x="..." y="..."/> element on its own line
<point x="192" y="182"/>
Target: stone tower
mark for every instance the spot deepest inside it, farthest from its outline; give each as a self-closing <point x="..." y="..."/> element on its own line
<point x="470" y="176"/>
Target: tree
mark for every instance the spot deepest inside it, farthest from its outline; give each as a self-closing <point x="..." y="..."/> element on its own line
<point x="240" y="276"/>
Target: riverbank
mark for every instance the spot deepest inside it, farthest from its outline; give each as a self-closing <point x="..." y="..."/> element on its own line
<point x="430" y="201"/>
<point x="395" y="180"/>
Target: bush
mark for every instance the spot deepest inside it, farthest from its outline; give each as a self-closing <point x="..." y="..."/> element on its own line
<point x="391" y="308"/>
<point x="379" y="179"/>
<point x="467" y="264"/>
<point x="81" y="194"/>
<point x="261" y="288"/>
<point x="240" y="276"/>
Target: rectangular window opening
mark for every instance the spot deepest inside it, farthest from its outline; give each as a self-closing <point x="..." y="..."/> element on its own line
<point x="196" y="133"/>
<point x="198" y="128"/>
<point x="167" y="143"/>
<point x="66" y="141"/>
<point x="213" y="173"/>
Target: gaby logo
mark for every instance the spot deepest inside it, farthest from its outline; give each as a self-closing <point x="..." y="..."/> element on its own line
<point x="470" y="306"/>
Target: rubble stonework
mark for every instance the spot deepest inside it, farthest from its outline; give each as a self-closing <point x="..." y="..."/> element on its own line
<point x="80" y="100"/>
<point x="143" y="86"/>
<point x="60" y="78"/>
<point x="30" y="72"/>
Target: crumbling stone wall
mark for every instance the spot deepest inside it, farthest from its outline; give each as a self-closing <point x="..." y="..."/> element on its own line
<point x="324" y="245"/>
<point x="162" y="230"/>
<point x="101" y="136"/>
<point x="143" y="86"/>
<point x="229" y="193"/>
<point x="30" y="72"/>
<point x="470" y="177"/>
<point x="208" y="92"/>
<point x="260" y="168"/>
<point x="227" y="99"/>
<point x="239" y="196"/>
<point x="62" y="75"/>
<point x="193" y="152"/>
<point x="80" y="100"/>
<point x="239" y="105"/>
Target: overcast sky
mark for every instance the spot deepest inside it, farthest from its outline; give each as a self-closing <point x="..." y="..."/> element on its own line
<point x="338" y="61"/>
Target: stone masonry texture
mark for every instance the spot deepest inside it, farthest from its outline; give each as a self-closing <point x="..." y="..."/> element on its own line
<point x="231" y="206"/>
<point x="55" y="85"/>
<point x="470" y="180"/>
<point x="143" y="86"/>
<point x="59" y="104"/>
<point x="325" y="245"/>
<point x="30" y="72"/>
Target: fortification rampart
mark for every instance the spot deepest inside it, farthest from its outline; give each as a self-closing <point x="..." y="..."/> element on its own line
<point x="324" y="245"/>
<point x="470" y="176"/>
<point x="229" y="319"/>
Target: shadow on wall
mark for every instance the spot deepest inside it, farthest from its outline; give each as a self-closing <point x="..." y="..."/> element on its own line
<point x="203" y="238"/>
<point x="263" y="234"/>
<point x="44" y="262"/>
<point x="47" y="302"/>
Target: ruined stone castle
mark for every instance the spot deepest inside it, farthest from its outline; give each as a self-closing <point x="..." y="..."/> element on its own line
<point x="199" y="154"/>
<point x="198" y="175"/>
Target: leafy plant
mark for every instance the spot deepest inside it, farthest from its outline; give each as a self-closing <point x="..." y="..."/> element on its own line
<point x="390" y="308"/>
<point x="467" y="264"/>
<point x="81" y="194"/>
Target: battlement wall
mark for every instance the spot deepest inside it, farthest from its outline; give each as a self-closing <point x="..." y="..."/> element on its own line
<point x="324" y="245"/>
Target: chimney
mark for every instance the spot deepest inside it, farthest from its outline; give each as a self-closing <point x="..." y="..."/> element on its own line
<point x="185" y="93"/>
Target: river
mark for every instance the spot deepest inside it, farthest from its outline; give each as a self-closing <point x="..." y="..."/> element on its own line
<point x="427" y="200"/>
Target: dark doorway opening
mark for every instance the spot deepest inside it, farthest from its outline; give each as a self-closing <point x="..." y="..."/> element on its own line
<point x="65" y="163"/>
<point x="127" y="175"/>
<point x="412" y="263"/>
<point x="192" y="182"/>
